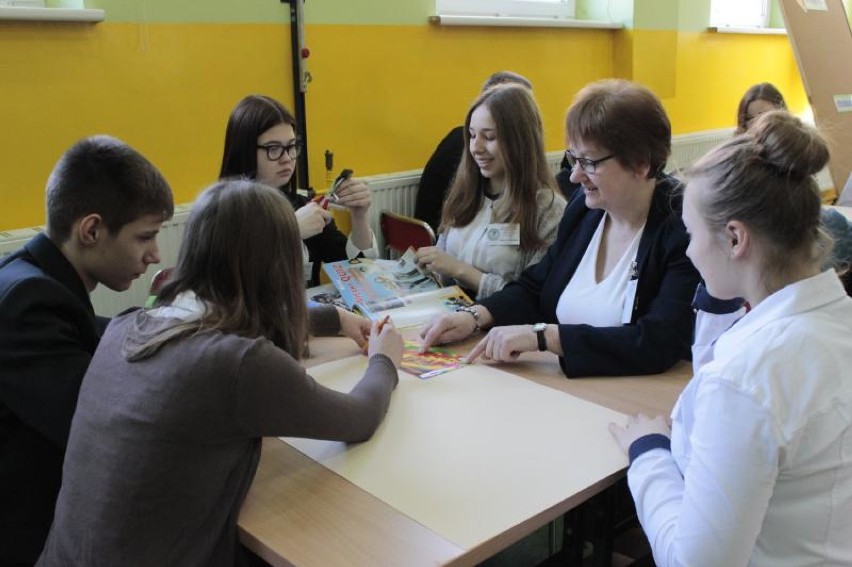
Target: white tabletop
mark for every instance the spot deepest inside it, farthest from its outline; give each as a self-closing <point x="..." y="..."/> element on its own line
<point x="472" y="453"/>
<point x="300" y="511"/>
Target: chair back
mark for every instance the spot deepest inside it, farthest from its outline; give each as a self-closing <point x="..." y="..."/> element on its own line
<point x="400" y="232"/>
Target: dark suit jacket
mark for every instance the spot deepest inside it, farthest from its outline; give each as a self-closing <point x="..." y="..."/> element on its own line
<point x="660" y="332"/>
<point x="437" y="176"/>
<point x="48" y="334"/>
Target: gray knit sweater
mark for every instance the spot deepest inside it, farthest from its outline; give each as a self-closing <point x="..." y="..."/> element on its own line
<point x="163" y="450"/>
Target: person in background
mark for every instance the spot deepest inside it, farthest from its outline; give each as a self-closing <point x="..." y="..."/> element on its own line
<point x="105" y="205"/>
<point x="757" y="100"/>
<point x="765" y="97"/>
<point x="612" y="295"/>
<point x="439" y="171"/>
<point x="502" y="210"/>
<point x="167" y="435"/>
<point x="261" y="143"/>
<point x="756" y="467"/>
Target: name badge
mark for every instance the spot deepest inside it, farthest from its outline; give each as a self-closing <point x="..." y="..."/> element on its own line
<point x="503" y="234"/>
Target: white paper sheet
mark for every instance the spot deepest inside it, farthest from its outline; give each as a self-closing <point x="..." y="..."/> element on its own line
<point x="474" y="452"/>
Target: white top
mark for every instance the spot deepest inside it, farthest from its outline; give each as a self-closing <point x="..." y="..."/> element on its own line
<point x="585" y="301"/>
<point x="760" y="468"/>
<point x="501" y="263"/>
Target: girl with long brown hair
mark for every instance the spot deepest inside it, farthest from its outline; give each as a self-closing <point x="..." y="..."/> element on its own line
<point x="167" y="434"/>
<point x="502" y="210"/>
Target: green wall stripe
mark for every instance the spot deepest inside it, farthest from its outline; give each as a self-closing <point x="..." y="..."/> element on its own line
<point x="193" y="11"/>
<point x="354" y="12"/>
<point x="683" y="15"/>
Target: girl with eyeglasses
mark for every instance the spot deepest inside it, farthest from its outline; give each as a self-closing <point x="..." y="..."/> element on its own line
<point x="612" y="295"/>
<point x="261" y="143"/>
<point x="502" y="209"/>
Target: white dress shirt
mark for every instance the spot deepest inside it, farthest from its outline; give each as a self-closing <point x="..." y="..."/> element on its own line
<point x="760" y="467"/>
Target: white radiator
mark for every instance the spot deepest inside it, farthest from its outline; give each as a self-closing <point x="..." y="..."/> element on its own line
<point x="106" y="301"/>
<point x="394" y="192"/>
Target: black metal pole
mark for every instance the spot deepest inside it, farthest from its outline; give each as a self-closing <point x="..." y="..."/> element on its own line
<point x="299" y="87"/>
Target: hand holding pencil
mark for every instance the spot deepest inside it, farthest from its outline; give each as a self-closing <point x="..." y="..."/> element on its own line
<point x="386" y="340"/>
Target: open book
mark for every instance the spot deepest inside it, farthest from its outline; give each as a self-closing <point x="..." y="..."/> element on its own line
<point x="396" y="288"/>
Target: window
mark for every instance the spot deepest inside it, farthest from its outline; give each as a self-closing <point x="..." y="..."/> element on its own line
<point x="739" y="13"/>
<point x="563" y="9"/>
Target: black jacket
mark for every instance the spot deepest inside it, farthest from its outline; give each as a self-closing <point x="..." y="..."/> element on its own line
<point x="660" y="331"/>
<point x="48" y="334"/>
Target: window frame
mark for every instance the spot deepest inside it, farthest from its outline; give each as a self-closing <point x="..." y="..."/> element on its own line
<point x="558" y="9"/>
<point x="742" y="22"/>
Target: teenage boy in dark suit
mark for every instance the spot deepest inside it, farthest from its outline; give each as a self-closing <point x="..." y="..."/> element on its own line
<point x="105" y="205"/>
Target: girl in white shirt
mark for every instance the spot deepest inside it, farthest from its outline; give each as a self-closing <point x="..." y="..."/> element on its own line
<point x="502" y="210"/>
<point x="756" y="468"/>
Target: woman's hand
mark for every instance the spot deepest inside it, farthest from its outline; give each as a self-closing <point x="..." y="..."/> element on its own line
<point x="434" y="259"/>
<point x="505" y="344"/>
<point x="354" y="326"/>
<point x="639" y="426"/>
<point x="447" y="329"/>
<point x="312" y="219"/>
<point x="386" y="341"/>
<point x="354" y="194"/>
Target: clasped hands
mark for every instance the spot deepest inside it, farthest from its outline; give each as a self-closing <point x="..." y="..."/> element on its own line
<point x="353" y="194"/>
<point x="376" y="338"/>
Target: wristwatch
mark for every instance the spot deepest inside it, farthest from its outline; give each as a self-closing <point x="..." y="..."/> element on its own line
<point x="539" y="333"/>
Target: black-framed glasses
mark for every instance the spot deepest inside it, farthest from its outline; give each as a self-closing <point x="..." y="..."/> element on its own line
<point x="274" y="151"/>
<point x="589" y="166"/>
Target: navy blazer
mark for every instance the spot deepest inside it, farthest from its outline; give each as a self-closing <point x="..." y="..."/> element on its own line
<point x="48" y="334"/>
<point x="660" y="330"/>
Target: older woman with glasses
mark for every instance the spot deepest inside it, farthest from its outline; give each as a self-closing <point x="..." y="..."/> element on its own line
<point x="261" y="144"/>
<point x="612" y="295"/>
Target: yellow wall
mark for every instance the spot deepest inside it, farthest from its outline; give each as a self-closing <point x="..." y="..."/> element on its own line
<point x="382" y="95"/>
<point x="166" y="89"/>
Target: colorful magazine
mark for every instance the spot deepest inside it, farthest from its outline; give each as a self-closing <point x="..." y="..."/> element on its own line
<point x="429" y="364"/>
<point x="396" y="288"/>
<point x="362" y="281"/>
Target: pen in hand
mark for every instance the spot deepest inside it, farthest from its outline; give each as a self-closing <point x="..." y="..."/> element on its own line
<point x="381" y="326"/>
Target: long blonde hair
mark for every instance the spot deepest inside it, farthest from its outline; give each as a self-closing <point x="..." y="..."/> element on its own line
<point x="521" y="136"/>
<point x="241" y="254"/>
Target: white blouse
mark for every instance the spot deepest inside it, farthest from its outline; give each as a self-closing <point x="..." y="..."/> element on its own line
<point x="585" y="301"/>
<point x="760" y="467"/>
<point x="501" y="262"/>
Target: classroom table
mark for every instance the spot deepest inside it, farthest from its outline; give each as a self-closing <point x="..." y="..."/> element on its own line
<point x="298" y="512"/>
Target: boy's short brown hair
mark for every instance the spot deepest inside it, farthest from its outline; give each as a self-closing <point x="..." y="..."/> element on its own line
<point x="104" y="175"/>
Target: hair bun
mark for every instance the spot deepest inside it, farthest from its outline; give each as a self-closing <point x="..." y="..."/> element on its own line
<point x="789" y="146"/>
